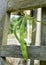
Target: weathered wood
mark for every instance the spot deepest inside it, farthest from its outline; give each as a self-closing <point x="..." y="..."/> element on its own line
<point x="43" y="26"/>
<point x="25" y="4"/>
<point x="31" y="14"/>
<point x="3" y="8"/>
<point x="34" y="52"/>
<point x="6" y="28"/>
<point x="43" y="31"/>
<point x="3" y="34"/>
<point x="34" y="27"/>
<point x="3" y="5"/>
<point x="2" y="61"/>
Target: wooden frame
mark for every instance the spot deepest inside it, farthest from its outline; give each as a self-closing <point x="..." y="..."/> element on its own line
<point x="34" y="52"/>
<point x="14" y="5"/>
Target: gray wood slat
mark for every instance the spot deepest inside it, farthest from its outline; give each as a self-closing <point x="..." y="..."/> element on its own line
<point x="34" y="52"/>
<point x="14" y="5"/>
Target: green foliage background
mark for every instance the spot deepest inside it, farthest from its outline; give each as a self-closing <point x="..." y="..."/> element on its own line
<point x="19" y="25"/>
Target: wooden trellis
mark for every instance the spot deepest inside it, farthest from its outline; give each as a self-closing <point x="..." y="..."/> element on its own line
<point x="34" y="52"/>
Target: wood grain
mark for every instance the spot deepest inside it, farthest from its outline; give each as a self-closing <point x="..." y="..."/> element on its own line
<point x="14" y="5"/>
<point x="34" y="52"/>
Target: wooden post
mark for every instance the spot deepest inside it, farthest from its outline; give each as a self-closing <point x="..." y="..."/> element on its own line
<point x="4" y="33"/>
<point x="34" y="27"/>
<point x="38" y="33"/>
<point x="3" y="7"/>
<point x="6" y="28"/>
<point x="43" y="31"/>
<point x="31" y="60"/>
